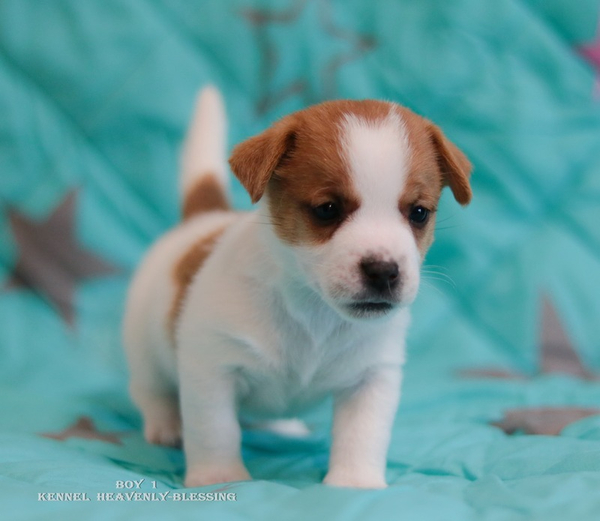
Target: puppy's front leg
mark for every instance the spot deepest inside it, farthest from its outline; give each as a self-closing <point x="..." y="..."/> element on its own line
<point x="211" y="431"/>
<point x="362" y="425"/>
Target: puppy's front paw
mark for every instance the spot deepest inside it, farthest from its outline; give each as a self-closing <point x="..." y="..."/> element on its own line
<point x="356" y="479"/>
<point x="202" y="476"/>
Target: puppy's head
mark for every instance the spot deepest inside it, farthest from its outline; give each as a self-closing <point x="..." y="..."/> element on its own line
<point x="351" y="188"/>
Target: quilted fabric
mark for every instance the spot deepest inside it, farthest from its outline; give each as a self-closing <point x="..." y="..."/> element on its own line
<point x="499" y="415"/>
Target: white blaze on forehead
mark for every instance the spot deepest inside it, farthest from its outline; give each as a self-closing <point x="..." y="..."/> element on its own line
<point x="378" y="156"/>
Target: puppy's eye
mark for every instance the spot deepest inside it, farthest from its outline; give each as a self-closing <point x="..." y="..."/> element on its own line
<point x="327" y="212"/>
<point x="418" y="215"/>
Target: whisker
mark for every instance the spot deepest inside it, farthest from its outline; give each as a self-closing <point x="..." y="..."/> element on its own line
<point x="425" y="283"/>
<point x="428" y="277"/>
<point x="446" y="218"/>
<point x="439" y="273"/>
<point x="435" y="266"/>
<point x="434" y="271"/>
<point x="445" y="228"/>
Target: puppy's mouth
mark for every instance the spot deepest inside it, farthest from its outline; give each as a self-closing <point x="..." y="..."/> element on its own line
<point x="368" y="308"/>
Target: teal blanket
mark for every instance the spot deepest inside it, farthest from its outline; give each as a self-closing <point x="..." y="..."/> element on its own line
<point x="500" y="412"/>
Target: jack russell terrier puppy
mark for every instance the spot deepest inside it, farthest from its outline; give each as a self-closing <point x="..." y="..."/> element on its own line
<point x="267" y="312"/>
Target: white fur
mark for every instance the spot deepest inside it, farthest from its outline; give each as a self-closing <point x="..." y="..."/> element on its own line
<point x="263" y="327"/>
<point x="205" y="147"/>
<point x="291" y="428"/>
<point x="154" y="380"/>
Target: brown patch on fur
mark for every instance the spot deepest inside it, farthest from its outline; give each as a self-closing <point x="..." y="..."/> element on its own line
<point x="313" y="130"/>
<point x="434" y="163"/>
<point x="254" y="161"/>
<point x="455" y="167"/>
<point x="314" y="172"/>
<point x="184" y="272"/>
<point x="424" y="183"/>
<point x="206" y="195"/>
<point x="299" y="164"/>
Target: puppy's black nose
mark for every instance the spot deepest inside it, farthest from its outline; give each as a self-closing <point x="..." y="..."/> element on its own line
<point x="380" y="275"/>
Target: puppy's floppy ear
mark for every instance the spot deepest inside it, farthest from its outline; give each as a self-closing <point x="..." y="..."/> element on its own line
<point x="254" y="160"/>
<point x="455" y="167"/>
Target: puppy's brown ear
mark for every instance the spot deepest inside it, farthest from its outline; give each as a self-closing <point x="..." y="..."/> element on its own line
<point x="455" y="167"/>
<point x="254" y="161"/>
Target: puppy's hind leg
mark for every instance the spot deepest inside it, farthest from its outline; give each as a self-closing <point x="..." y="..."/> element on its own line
<point x="160" y="411"/>
<point x="156" y="397"/>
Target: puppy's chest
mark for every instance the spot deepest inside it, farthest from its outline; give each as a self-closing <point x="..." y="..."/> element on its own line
<point x="304" y="369"/>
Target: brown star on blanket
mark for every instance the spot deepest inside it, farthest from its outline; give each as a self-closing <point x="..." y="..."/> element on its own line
<point x="51" y="262"/>
<point x="557" y="353"/>
<point x="557" y="356"/>
<point x="549" y="421"/>
<point x="84" y="428"/>
<point x="354" y="45"/>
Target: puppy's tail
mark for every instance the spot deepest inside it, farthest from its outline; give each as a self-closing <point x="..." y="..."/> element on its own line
<point x="204" y="180"/>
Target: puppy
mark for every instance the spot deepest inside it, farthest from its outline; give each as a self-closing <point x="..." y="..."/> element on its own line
<point x="269" y="311"/>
